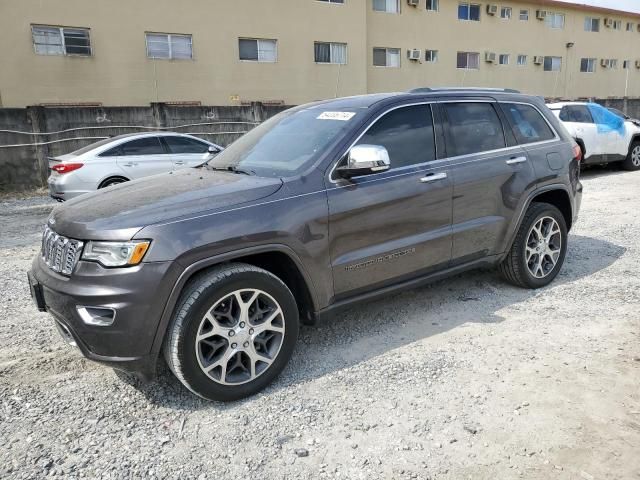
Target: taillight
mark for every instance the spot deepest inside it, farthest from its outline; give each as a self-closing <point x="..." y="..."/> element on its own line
<point x="66" y="167"/>
<point x="577" y="153"/>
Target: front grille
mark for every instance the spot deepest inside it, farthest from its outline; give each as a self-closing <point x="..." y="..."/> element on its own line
<point x="60" y="253"/>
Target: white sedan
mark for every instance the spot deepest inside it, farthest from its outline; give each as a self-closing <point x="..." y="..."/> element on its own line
<point x="604" y="135"/>
<point x="125" y="157"/>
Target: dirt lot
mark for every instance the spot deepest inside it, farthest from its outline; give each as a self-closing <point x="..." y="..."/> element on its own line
<point x="468" y="378"/>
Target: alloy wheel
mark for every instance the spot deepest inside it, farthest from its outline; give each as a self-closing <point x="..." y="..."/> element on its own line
<point x="635" y="156"/>
<point x="240" y="336"/>
<point x="544" y="244"/>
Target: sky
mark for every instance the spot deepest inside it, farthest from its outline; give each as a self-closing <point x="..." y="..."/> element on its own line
<point x="626" y="5"/>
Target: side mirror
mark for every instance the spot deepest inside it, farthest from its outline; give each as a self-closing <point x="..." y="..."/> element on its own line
<point x="365" y="160"/>
<point x="213" y="149"/>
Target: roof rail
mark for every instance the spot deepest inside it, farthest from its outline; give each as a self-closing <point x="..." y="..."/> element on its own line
<point x="462" y="89"/>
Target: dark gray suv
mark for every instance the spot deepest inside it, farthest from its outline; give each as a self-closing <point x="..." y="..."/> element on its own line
<point x="324" y="205"/>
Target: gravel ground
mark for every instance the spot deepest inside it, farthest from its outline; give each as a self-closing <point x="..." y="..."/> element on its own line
<point x="466" y="378"/>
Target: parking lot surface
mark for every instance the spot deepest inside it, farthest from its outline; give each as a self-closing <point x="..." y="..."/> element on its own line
<point x="466" y="378"/>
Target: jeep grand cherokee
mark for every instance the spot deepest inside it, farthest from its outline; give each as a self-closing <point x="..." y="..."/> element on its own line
<point x="321" y="206"/>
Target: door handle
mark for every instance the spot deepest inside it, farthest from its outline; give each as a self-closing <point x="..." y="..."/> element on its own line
<point x="179" y="162"/>
<point x="514" y="160"/>
<point x="433" y="177"/>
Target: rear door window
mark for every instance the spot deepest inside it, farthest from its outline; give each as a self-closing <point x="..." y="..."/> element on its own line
<point x="527" y="123"/>
<point x="185" y="145"/>
<point x="143" y="146"/>
<point x="474" y="127"/>
<point x="406" y="133"/>
<point x="575" y="113"/>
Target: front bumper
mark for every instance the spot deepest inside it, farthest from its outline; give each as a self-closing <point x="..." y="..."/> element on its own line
<point x="137" y="294"/>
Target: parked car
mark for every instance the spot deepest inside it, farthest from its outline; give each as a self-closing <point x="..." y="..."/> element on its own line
<point x="321" y="206"/>
<point x="123" y="158"/>
<point x="604" y="135"/>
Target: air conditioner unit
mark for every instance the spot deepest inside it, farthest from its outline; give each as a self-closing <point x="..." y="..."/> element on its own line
<point x="414" y="54"/>
<point x="541" y="14"/>
<point x="492" y="9"/>
<point x="608" y="22"/>
<point x="538" y="60"/>
<point x="413" y="3"/>
<point x="604" y="62"/>
<point x="489" y="57"/>
<point x="637" y="63"/>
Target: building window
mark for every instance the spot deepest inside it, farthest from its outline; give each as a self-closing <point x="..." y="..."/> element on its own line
<point x="258" y="50"/>
<point x="591" y="24"/>
<point x="169" y="46"/>
<point x="469" y="11"/>
<point x="505" y="12"/>
<point x="522" y="60"/>
<point x="433" y="5"/>
<point x="588" y="65"/>
<point x="332" y="1"/>
<point x="554" y="20"/>
<point x="552" y="64"/>
<point x="386" y="57"/>
<point x="503" y="59"/>
<point x="629" y="27"/>
<point x="524" y="15"/>
<point x="61" y="41"/>
<point x="388" y="6"/>
<point x="617" y="24"/>
<point x="625" y="64"/>
<point x="611" y="63"/>
<point x="325" y="52"/>
<point x="431" y="56"/>
<point x="468" y="60"/>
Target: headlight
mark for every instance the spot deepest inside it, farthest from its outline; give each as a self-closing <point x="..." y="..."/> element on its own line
<point x="116" y="254"/>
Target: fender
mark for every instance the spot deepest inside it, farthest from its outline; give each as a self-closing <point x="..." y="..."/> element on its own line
<point x="190" y="270"/>
<point x="515" y="225"/>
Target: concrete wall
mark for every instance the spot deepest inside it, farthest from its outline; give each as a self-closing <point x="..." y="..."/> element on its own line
<point x="29" y="135"/>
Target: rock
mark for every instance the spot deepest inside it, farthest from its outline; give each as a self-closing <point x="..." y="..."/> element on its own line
<point x="301" y="452"/>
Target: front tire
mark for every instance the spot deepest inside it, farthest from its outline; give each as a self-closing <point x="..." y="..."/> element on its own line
<point x="632" y="162"/>
<point x="232" y="333"/>
<point x="539" y="249"/>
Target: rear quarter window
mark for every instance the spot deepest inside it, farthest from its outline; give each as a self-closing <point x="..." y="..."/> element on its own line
<point x="527" y="123"/>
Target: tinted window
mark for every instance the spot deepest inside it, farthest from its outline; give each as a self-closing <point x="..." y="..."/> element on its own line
<point x="186" y="145"/>
<point x="112" y="152"/>
<point x="143" y="146"/>
<point x="575" y="113"/>
<point x="473" y="127"/>
<point x="527" y="123"/>
<point x="406" y="133"/>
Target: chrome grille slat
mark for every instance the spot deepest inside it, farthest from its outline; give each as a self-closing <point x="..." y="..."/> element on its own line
<point x="61" y="254"/>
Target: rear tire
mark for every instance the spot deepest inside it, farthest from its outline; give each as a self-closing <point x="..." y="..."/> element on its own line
<point x="539" y="249"/>
<point x="632" y="162"/>
<point x="232" y="333"/>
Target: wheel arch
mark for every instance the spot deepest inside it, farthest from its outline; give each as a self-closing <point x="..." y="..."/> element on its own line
<point x="279" y="260"/>
<point x="112" y="177"/>
<point x="556" y="195"/>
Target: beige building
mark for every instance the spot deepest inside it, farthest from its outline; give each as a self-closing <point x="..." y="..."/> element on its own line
<point x="225" y="52"/>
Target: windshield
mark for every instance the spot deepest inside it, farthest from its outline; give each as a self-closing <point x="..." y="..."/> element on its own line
<point x="286" y="144"/>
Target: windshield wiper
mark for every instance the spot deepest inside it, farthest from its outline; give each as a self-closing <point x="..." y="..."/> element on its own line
<point x="231" y="168"/>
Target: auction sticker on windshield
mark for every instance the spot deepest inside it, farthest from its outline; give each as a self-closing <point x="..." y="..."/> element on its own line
<point x="342" y="116"/>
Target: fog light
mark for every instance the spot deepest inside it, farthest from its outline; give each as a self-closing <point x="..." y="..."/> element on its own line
<point x="97" y="316"/>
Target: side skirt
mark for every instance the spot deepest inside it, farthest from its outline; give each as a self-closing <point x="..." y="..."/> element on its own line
<point x="337" y="307"/>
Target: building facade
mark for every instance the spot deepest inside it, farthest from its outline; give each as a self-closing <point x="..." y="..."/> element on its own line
<point x="228" y="52"/>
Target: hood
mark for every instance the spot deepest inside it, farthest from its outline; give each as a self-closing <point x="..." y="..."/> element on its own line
<point x="118" y="212"/>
